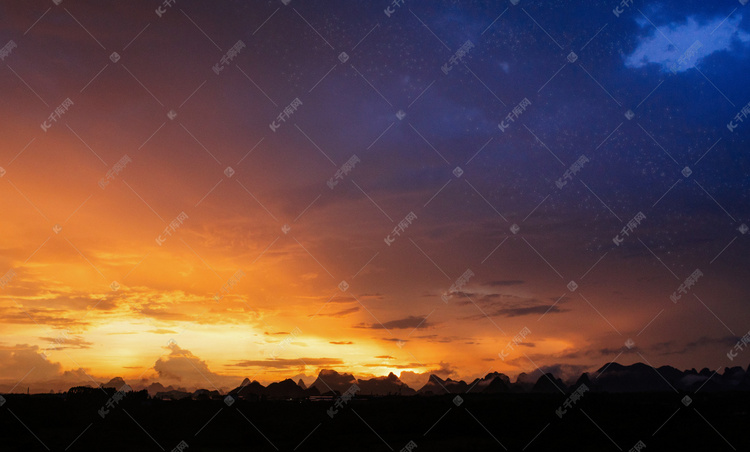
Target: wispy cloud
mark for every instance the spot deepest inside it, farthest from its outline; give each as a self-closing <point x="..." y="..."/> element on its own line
<point x="669" y="46"/>
<point x="289" y="363"/>
<point x="408" y="322"/>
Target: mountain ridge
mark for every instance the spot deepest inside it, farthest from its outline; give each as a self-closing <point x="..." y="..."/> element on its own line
<point x="611" y="377"/>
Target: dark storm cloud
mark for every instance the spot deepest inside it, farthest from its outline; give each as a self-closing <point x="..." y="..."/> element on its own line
<point x="677" y="348"/>
<point x="342" y="313"/>
<point x="407" y="322"/>
<point x="518" y="312"/>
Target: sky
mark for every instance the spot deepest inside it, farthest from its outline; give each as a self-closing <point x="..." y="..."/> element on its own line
<point x="206" y="191"/>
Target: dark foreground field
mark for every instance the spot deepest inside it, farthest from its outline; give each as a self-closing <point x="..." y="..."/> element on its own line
<point x="515" y="422"/>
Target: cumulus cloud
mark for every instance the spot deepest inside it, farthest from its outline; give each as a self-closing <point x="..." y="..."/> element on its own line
<point x="180" y="365"/>
<point x="25" y="366"/>
<point x="23" y="359"/>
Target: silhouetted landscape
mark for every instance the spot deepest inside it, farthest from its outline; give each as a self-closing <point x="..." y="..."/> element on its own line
<point x="613" y="408"/>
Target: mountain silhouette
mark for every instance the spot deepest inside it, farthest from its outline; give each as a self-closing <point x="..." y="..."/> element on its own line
<point x="174" y="395"/>
<point x="547" y="383"/>
<point x="332" y="381"/>
<point x="492" y="383"/>
<point x="155" y="388"/>
<point x="436" y="385"/>
<point x="389" y="385"/>
<point x="115" y="383"/>
<point x="282" y="390"/>
<point x="637" y="377"/>
<point x="286" y="389"/>
<point x="583" y="380"/>
<point x="497" y="386"/>
<point x="610" y="378"/>
<point x="251" y="390"/>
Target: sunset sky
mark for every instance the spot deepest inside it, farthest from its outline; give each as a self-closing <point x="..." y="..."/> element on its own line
<point x="270" y="271"/>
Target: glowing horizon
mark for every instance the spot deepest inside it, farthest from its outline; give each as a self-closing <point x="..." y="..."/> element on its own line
<point x="167" y="226"/>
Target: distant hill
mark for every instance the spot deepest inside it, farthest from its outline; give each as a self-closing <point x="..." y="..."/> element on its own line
<point x="286" y="389"/>
<point x="115" y="383"/>
<point x="612" y="378"/>
<point x="640" y="377"/>
<point x="389" y="385"/>
<point x="330" y="380"/>
<point x="436" y="385"/>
